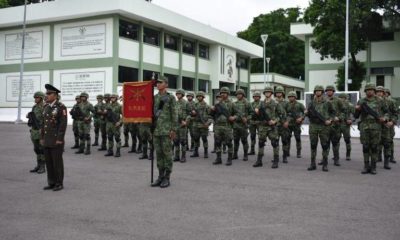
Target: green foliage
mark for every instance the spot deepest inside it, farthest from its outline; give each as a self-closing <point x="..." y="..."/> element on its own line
<point x="4" y="3"/>
<point x="286" y="52"/>
<point x="357" y="74"/>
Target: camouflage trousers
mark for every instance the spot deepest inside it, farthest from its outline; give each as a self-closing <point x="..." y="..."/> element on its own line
<point x="162" y="145"/>
<point x="392" y="134"/>
<point x="99" y="129"/>
<point x="113" y="132"/>
<point x="345" y="131"/>
<point x="190" y="133"/>
<point x="385" y="144"/>
<point x="296" y="131"/>
<point x="133" y="130"/>
<point x="200" y="132"/>
<point x="319" y="132"/>
<point x="145" y="136"/>
<point x="370" y="139"/>
<point x="84" y="135"/>
<point x="75" y="130"/>
<point x="253" y="128"/>
<point x="223" y="134"/>
<point x="180" y="142"/>
<point x="37" y="147"/>
<point x="273" y="135"/>
<point x="103" y="131"/>
<point x="284" y="134"/>
<point x="334" y="139"/>
<point x="240" y="135"/>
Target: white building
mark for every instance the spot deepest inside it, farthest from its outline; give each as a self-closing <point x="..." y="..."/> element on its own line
<point x="382" y="60"/>
<point x="95" y="46"/>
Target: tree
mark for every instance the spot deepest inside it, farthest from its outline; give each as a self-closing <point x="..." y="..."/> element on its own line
<point x="286" y="52"/>
<point x="357" y="77"/>
<point x="4" y="3"/>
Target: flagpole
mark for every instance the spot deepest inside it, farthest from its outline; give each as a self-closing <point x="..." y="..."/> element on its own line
<point x="152" y="130"/>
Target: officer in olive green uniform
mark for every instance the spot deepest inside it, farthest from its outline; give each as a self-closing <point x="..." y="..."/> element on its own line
<point x="395" y="113"/>
<point x="103" y="124"/>
<point x="254" y="125"/>
<point x="224" y="114"/>
<point x="97" y="119"/>
<point x="334" y="132"/>
<point x="283" y="124"/>
<point x="75" y="121"/>
<point x="35" y="122"/>
<point x="190" y="106"/>
<point x="201" y="121"/>
<point x="114" y="122"/>
<point x="268" y="114"/>
<point x="181" y="135"/>
<point x="295" y="116"/>
<point x="240" y="126"/>
<point x="166" y="124"/>
<point x="84" y="125"/>
<point x="321" y="114"/>
<point x="52" y="138"/>
<point x="346" y="123"/>
<point x="373" y="114"/>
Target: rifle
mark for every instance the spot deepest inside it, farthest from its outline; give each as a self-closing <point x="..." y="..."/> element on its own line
<point x="219" y="109"/>
<point x="76" y="113"/>
<point x="32" y="121"/>
<point x="370" y="111"/>
<point x="265" y="117"/>
<point x="111" y="116"/>
<point x="316" y="114"/>
<point x="163" y="101"/>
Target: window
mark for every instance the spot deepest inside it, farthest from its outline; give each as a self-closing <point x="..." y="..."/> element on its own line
<point x="127" y="74"/>
<point x="243" y="62"/>
<point x="151" y="36"/>
<point x="188" y="47"/>
<point x="298" y="94"/>
<point x="204" y="51"/>
<point x="128" y="30"/>
<point x="204" y="85"/>
<point x="188" y="83"/>
<point x="382" y="71"/>
<point x="172" y="81"/>
<point x="150" y="75"/>
<point x="171" y="42"/>
<point x="380" y="80"/>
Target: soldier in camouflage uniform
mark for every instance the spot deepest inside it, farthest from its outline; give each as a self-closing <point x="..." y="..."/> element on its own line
<point x="75" y="121"/>
<point x="201" y="121"/>
<point x="224" y="114"/>
<point x="268" y="114"/>
<point x="334" y="132"/>
<point x="240" y="126"/>
<point x="295" y="116"/>
<point x="133" y="129"/>
<point x="283" y="124"/>
<point x="114" y="122"/>
<point x="147" y="140"/>
<point x="84" y="125"/>
<point x="395" y="114"/>
<point x="97" y="119"/>
<point x="166" y="125"/>
<point x="180" y="142"/>
<point x="254" y="125"/>
<point x="321" y="114"/>
<point x="35" y="123"/>
<point x="103" y="122"/>
<point x="373" y="114"/>
<point x="190" y="105"/>
<point x="346" y="123"/>
<point x="386" y="136"/>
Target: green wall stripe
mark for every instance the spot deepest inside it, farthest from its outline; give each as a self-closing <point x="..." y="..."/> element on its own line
<point x="162" y="47"/>
<point x="141" y="51"/>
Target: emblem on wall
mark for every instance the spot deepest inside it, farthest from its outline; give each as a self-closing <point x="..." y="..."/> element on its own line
<point x="230" y="63"/>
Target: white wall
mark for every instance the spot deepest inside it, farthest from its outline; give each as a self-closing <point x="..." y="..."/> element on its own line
<point x="204" y="66"/>
<point x="244" y="75"/>
<point x="325" y="77"/>
<point x="386" y="50"/>
<point x="171" y="59"/>
<point x="188" y="63"/>
<point x="151" y="54"/>
<point x="129" y="49"/>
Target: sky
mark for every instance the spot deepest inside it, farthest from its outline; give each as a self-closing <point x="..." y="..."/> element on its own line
<point x="230" y="16"/>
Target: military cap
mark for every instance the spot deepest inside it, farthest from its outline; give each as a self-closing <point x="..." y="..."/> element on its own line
<point x="343" y="95"/>
<point x="257" y="94"/>
<point x="200" y="94"/>
<point x="77" y="97"/>
<point x="240" y="91"/>
<point x="292" y="94"/>
<point x="318" y="88"/>
<point x="51" y="89"/>
<point x="162" y="79"/>
<point x="107" y="95"/>
<point x="380" y="89"/>
<point x="268" y="89"/>
<point x="99" y="96"/>
<point x="114" y="95"/>
<point x="387" y="90"/>
<point x="279" y="89"/>
<point x="370" y="86"/>
<point x="330" y="88"/>
<point x="38" y="94"/>
<point x="225" y="90"/>
<point x="85" y="94"/>
<point x="180" y="91"/>
<point x="190" y="94"/>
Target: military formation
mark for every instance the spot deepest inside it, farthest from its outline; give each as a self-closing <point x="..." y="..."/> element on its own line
<point x="182" y="125"/>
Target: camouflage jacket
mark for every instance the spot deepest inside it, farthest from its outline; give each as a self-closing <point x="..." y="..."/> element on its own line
<point x="348" y="111"/>
<point x="338" y="107"/>
<point x="98" y="109"/>
<point x="87" y="110"/>
<point x="166" y="119"/>
<point x="245" y="112"/>
<point x="322" y="106"/>
<point x="181" y="110"/>
<point x="367" y="121"/>
<point x="222" y="111"/>
<point x="294" y="110"/>
<point x="254" y="105"/>
<point x="283" y="103"/>
<point x="273" y="110"/>
<point x="392" y="109"/>
<point x="202" y="117"/>
<point x="116" y="112"/>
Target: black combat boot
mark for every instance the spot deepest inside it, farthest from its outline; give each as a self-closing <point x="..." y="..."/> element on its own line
<point x="118" y="152"/>
<point x="35" y="168"/>
<point x="205" y="152"/>
<point x="284" y="157"/>
<point x="348" y="153"/>
<point x="252" y="151"/>
<point x="213" y="151"/>
<point x="126" y="144"/>
<point x="81" y="148"/>
<point x="87" y="152"/>
<point x="325" y="165"/>
<point x="159" y="179"/>
<point x="76" y="146"/>
<point x="245" y="156"/>
<point x="218" y="159"/>
<point x="176" y="158"/>
<point x="165" y="182"/>
<point x="151" y="155"/>
<point x="336" y="162"/>
<point x="373" y="168"/>
<point x="258" y="163"/>
<point x="229" y="161"/>
<point x="96" y="141"/>
<point x="391" y="160"/>
<point x="109" y="153"/>
<point x="235" y="156"/>
<point x="183" y="157"/>
<point x="275" y="162"/>
<point x="133" y="149"/>
<point x="312" y="167"/>
<point x="386" y="163"/>
<point x="195" y="152"/>
<point x="139" y="148"/>
<point x="42" y="167"/>
<point x="144" y="154"/>
<point x="299" y="153"/>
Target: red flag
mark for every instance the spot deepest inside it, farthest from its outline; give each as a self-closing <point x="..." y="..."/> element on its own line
<point x="138" y="102"/>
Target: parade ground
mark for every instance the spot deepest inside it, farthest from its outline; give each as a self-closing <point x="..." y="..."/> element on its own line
<point x="111" y="198"/>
